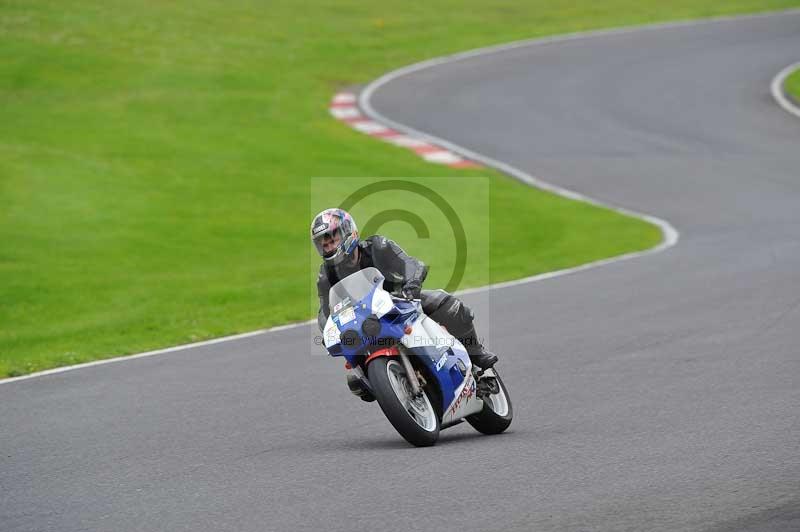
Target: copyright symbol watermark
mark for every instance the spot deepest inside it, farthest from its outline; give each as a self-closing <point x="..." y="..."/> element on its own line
<point x="442" y="221"/>
<point x="413" y="217"/>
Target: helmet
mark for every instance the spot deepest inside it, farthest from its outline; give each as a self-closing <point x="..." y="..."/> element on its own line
<point x="336" y="225"/>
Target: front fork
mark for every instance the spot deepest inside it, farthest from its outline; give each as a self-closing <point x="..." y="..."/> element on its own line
<point x="416" y="387"/>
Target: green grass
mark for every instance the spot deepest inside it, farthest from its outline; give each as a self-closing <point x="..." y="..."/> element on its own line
<point x="792" y="85"/>
<point x="156" y="159"/>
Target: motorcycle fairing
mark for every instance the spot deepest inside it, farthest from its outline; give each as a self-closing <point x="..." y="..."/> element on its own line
<point x="442" y="354"/>
<point x="449" y="362"/>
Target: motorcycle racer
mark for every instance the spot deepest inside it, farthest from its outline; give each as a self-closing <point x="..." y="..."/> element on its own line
<point x="335" y="236"/>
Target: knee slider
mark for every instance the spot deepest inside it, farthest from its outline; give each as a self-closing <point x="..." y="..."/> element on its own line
<point x="455" y="316"/>
<point x="458" y="310"/>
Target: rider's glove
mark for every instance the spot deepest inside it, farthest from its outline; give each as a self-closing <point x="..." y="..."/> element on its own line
<point x="411" y="290"/>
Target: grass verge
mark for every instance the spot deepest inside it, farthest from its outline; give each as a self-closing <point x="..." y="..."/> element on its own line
<point x="156" y="157"/>
<point x="792" y="86"/>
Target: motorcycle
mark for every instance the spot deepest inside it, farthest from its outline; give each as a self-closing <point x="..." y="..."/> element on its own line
<point x="420" y="375"/>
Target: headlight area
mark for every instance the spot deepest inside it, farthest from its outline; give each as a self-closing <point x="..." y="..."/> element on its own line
<point x="350" y="339"/>
<point x="371" y="326"/>
<point x="368" y="338"/>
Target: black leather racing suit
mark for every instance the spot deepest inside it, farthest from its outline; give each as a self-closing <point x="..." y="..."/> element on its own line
<point x="400" y="271"/>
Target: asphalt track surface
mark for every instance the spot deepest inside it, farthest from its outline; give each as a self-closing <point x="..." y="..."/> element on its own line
<point x="659" y="393"/>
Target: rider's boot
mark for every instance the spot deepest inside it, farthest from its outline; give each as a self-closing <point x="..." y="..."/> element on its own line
<point x="477" y="353"/>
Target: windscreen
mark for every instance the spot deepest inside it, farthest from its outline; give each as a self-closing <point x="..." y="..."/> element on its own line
<point x="353" y="288"/>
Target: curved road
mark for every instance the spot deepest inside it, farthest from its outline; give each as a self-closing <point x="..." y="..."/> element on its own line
<point x="660" y="393"/>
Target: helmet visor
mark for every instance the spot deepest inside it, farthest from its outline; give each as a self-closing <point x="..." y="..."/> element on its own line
<point x="328" y="240"/>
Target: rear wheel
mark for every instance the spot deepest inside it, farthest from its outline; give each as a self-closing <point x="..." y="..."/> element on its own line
<point x="413" y="417"/>
<point x="497" y="411"/>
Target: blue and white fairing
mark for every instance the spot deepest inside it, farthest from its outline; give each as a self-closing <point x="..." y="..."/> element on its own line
<point x="360" y="298"/>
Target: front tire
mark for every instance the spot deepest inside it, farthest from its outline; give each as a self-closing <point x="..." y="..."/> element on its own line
<point x="414" y="418"/>
<point x="497" y="411"/>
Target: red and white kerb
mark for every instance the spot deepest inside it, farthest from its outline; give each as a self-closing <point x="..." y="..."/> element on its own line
<point x="344" y="107"/>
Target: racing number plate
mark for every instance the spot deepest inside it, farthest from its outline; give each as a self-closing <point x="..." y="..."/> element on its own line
<point x="347" y="315"/>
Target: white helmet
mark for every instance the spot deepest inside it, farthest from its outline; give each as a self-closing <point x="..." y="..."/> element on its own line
<point x="338" y="226"/>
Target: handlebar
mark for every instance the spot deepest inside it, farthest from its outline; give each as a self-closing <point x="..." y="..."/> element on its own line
<point x="401" y="298"/>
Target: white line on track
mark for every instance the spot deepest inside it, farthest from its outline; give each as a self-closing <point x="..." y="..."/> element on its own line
<point x="776" y="87"/>
<point x="670" y="233"/>
<point x="157" y="351"/>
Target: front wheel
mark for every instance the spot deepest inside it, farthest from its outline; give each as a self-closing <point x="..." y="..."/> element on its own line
<point x="497" y="412"/>
<point x="413" y="417"/>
